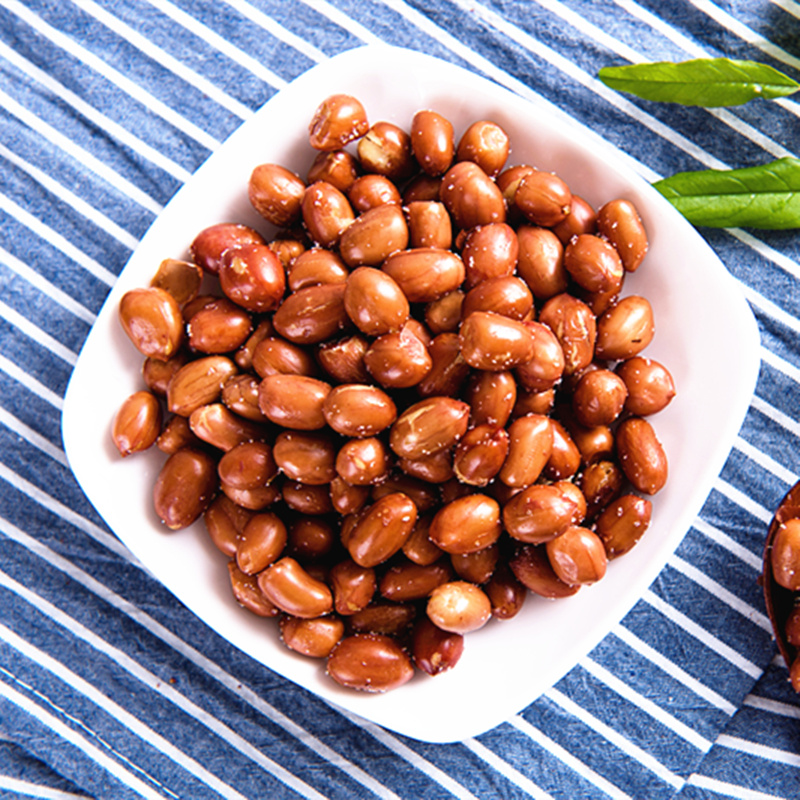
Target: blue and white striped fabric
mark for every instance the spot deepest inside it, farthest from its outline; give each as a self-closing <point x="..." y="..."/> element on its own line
<point x="108" y="688"/>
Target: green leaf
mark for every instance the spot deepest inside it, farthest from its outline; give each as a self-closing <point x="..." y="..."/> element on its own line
<point x="700" y="82"/>
<point x="767" y="196"/>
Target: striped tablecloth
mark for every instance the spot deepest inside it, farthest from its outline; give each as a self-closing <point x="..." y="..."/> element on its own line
<point x="108" y="688"/>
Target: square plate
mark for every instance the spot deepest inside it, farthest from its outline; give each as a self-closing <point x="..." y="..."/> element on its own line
<point x="705" y="334"/>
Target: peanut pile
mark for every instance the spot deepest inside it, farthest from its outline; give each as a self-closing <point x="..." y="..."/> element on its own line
<point x="420" y="401"/>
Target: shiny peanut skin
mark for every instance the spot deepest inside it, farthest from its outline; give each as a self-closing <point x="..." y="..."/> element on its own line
<point x="356" y="410"/>
<point x="306" y="456"/>
<point x="375" y="302"/>
<point x="541" y="261"/>
<point x="312" y="314"/>
<point x="491" y="396"/>
<point x="531" y="567"/>
<point x="485" y="143"/>
<point x="428" y="426"/>
<point x="221" y="428"/>
<point x="641" y="455"/>
<point x="198" y="383"/>
<point x="490" y="251"/>
<point x="151" y="317"/>
<point x="384" y="619"/>
<point x="593" y="263"/>
<point x="248" y="465"/>
<point x="181" y="279"/>
<point x="314" y="637"/>
<point x="478" y="566"/>
<point x="184" y="487"/>
<point x="373" y="236"/>
<point x="471" y="196"/>
<point x="625" y="329"/>
<point x="425" y="273"/>
<point x="408" y="581"/>
<point x="598" y="398"/>
<point x="785" y="555"/>
<point x="343" y="359"/>
<point x="435" y="651"/>
<point x="290" y="587"/>
<point x="338" y="119"/>
<point x="219" y="327"/>
<point x="622" y="523"/>
<point x="364" y="461"/>
<point x="240" y="395"/>
<point x="443" y="315"/>
<point x="577" y="556"/>
<point x="619" y="222"/>
<point x="276" y="193"/>
<point x="385" y="149"/>
<point x="538" y="513"/>
<point x="650" y="385"/>
<point x="248" y="595"/>
<point x="209" y="245"/>
<point x="600" y="483"/>
<point x="466" y="525"/>
<point x="337" y="167"/>
<point x="449" y="368"/>
<point x="369" y="663"/>
<point x="137" y="423"/>
<point x="353" y="586"/>
<point x="530" y="445"/>
<point x="575" y="327"/>
<point x="381" y="530"/>
<point x="429" y="224"/>
<point x="547" y="363"/>
<point x="371" y="191"/>
<point x="506" y="295"/>
<point x="480" y="454"/>
<point x="458" y="607"/>
<point x="543" y="198"/>
<point x="252" y="276"/>
<point x="294" y="401"/>
<point x="315" y="265"/>
<point x="274" y="355"/>
<point x="398" y="360"/>
<point x="418" y="547"/>
<point x="326" y="213"/>
<point x="494" y="342"/>
<point x="261" y="543"/>
<point x="432" y="141"/>
<point x="582" y="218"/>
<point x="505" y="592"/>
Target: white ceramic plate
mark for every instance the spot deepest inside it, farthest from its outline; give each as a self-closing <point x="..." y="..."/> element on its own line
<point x="705" y="334"/>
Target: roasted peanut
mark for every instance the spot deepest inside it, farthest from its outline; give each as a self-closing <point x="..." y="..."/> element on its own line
<point x="471" y="196"/>
<point x="276" y="193"/>
<point x="374" y="301"/>
<point x="184" y="487"/>
<point x="381" y="530"/>
<point x="577" y="556"/>
<point x="252" y="276"/>
<point x="137" y="424"/>
<point x="152" y="320"/>
<point x="288" y="586"/>
<point x="369" y="663"/>
<point x="338" y="119"/>
<point x="428" y="426"/>
<point x="641" y="455"/>
<point x="209" y="245"/>
<point x="467" y="524"/>
<point x="458" y="607"/>
<point x="308" y="457"/>
<point x="619" y="222"/>
<point x="435" y="651"/>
